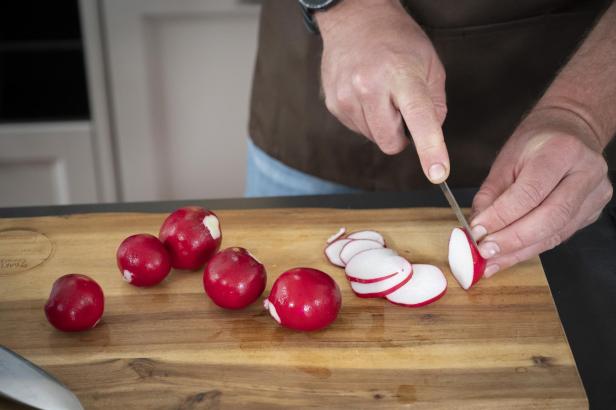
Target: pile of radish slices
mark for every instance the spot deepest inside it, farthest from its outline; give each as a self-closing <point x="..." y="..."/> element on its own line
<point x="374" y="270"/>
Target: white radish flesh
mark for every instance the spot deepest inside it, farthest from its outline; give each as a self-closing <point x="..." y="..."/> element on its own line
<point x="465" y="262"/>
<point x="337" y="235"/>
<point x="332" y="251"/>
<point x="356" y="246"/>
<point x="427" y="285"/>
<point x="373" y="235"/>
<point x="381" y="288"/>
<point x="374" y="265"/>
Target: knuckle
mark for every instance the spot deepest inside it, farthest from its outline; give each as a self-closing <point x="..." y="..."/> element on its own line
<point x="344" y="98"/>
<point x="390" y="146"/>
<point x="553" y="241"/>
<point x="530" y="193"/>
<point x="560" y="214"/>
<point x="570" y="146"/>
<point x="365" y="84"/>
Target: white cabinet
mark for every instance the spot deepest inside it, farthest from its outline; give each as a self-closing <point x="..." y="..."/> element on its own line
<point x="46" y="163"/>
<point x="179" y="75"/>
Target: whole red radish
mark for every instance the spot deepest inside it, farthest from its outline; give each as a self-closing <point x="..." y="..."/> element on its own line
<point x="192" y="236"/>
<point x="465" y="262"/>
<point x="143" y="260"/>
<point x="76" y="303"/>
<point x="233" y="278"/>
<point x="304" y="299"/>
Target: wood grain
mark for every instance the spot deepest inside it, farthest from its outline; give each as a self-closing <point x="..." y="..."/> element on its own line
<point x="499" y="345"/>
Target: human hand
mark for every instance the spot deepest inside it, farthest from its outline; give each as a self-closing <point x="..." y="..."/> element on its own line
<point x="549" y="181"/>
<point x="379" y="67"/>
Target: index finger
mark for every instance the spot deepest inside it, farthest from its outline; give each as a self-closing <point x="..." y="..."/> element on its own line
<point x="418" y="111"/>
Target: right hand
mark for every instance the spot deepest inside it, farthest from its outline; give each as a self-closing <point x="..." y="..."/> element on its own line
<point x="378" y="68"/>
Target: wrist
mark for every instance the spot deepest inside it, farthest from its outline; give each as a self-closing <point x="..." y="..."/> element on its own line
<point x="346" y="11"/>
<point x="561" y="117"/>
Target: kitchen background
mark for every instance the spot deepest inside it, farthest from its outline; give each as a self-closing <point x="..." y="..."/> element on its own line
<point x="124" y="100"/>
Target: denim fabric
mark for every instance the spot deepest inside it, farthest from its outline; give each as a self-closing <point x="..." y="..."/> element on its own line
<point x="267" y="176"/>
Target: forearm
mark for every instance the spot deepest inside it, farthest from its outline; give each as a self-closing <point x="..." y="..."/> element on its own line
<point x="586" y="87"/>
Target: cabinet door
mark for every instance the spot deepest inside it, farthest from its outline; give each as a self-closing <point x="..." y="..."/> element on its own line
<point x="180" y="78"/>
<point x="46" y="163"/>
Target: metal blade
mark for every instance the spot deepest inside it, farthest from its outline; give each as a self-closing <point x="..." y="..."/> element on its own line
<point x="456" y="209"/>
<point x="25" y="382"/>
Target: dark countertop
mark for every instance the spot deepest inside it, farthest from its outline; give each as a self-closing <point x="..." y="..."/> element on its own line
<point x="581" y="272"/>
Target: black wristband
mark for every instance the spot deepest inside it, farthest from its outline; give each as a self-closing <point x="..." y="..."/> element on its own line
<point x="309" y="7"/>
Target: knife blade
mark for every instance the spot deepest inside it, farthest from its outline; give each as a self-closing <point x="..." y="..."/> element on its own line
<point x="456" y="209"/>
<point x="25" y="382"/>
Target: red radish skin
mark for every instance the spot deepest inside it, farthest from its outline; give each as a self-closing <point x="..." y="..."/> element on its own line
<point x="304" y="299"/>
<point x="143" y="260"/>
<point x="427" y="285"/>
<point x="337" y="235"/>
<point x="382" y="288"/>
<point x="374" y="235"/>
<point x="374" y="265"/>
<point x="332" y="252"/>
<point x="356" y="246"/>
<point x="76" y="303"/>
<point x="234" y="279"/>
<point x="192" y="235"/>
<point x="465" y="262"/>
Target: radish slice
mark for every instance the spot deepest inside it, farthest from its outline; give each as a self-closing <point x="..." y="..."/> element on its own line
<point x="375" y="265"/>
<point x="354" y="247"/>
<point x="427" y="285"/>
<point x="337" y="235"/>
<point x="373" y="235"/>
<point x="465" y="262"/>
<point x="383" y="287"/>
<point x="332" y="251"/>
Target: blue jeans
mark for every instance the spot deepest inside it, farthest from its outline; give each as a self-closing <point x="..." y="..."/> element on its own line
<point x="266" y="176"/>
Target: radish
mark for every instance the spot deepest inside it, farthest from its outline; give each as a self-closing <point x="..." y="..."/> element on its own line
<point x="353" y="247"/>
<point x="465" y="262"/>
<point x="192" y="236"/>
<point x="332" y="251"/>
<point x="76" y="303"/>
<point x="234" y="279"/>
<point x="374" y="265"/>
<point x="427" y="285"/>
<point x="374" y="235"/>
<point x="143" y="260"/>
<point x="337" y="235"/>
<point x="304" y="299"/>
<point x="383" y="287"/>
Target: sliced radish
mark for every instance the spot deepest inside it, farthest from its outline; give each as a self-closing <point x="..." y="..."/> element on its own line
<point x="337" y="235"/>
<point x="374" y="265"/>
<point x="332" y="251"/>
<point x="427" y="285"/>
<point x="356" y="246"/>
<point x="374" y="235"/>
<point x="465" y="262"/>
<point x="383" y="287"/>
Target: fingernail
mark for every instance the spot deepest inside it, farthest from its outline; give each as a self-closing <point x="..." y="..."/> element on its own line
<point x="489" y="249"/>
<point x="491" y="270"/>
<point x="436" y="172"/>
<point x="478" y="232"/>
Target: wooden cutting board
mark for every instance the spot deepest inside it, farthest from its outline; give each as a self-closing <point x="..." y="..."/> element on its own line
<point x="500" y="345"/>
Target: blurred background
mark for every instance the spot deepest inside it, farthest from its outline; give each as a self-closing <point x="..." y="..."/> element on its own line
<point x="124" y="100"/>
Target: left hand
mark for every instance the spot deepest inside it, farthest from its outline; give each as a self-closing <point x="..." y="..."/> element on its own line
<point x="549" y="181"/>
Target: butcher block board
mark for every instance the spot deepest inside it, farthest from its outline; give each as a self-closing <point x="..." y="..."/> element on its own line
<point x="500" y="345"/>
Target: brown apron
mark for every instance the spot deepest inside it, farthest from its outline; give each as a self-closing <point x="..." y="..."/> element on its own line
<point x="499" y="57"/>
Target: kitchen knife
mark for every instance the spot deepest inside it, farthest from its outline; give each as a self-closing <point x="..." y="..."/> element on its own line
<point x="456" y="209"/>
<point x="25" y="382"/>
<point x="449" y="196"/>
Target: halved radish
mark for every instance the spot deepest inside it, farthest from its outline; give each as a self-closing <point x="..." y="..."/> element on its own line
<point x="427" y="285"/>
<point x="465" y="262"/>
<point x="332" y="251"/>
<point x="383" y="287"/>
<point x="353" y="247"/>
<point x="374" y="235"/>
<point x="374" y="265"/>
<point x="337" y="235"/>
